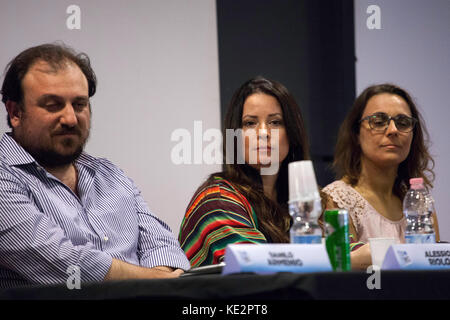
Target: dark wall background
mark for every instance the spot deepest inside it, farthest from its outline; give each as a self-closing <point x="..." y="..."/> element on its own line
<point x="308" y="45"/>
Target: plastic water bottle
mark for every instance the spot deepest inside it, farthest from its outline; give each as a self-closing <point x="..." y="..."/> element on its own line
<point x="305" y="227"/>
<point x="305" y="204"/>
<point x="418" y="206"/>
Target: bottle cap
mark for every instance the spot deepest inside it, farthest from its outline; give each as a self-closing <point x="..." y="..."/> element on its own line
<point x="416" y="181"/>
<point x="302" y="181"/>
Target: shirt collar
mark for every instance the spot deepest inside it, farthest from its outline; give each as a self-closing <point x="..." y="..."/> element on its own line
<point x="12" y="152"/>
<point x="88" y="161"/>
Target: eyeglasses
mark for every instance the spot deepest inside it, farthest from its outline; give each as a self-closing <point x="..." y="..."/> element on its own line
<point x="380" y="121"/>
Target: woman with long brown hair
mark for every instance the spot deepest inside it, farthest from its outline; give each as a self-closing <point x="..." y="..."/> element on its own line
<point x="244" y="203"/>
<point x="382" y="143"/>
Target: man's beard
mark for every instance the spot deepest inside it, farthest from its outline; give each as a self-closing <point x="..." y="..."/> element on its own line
<point x="49" y="157"/>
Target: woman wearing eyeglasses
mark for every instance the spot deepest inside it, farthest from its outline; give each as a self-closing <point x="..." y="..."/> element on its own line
<point x="381" y="145"/>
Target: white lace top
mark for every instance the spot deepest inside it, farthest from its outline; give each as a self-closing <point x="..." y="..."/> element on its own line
<point x="367" y="221"/>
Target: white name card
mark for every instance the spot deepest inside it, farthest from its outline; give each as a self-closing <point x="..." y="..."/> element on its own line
<point x="272" y="258"/>
<point x="414" y="256"/>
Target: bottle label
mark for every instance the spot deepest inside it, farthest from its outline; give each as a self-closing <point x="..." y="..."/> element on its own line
<point x="305" y="239"/>
<point x="420" y="238"/>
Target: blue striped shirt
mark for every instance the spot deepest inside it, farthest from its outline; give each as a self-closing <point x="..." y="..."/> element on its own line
<point x="45" y="228"/>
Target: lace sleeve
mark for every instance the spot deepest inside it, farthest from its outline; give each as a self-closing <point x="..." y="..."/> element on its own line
<point x="345" y="197"/>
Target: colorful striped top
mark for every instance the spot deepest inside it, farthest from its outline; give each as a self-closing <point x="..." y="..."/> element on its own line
<point x="217" y="215"/>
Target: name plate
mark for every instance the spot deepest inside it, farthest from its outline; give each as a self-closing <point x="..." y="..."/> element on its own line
<point x="272" y="258"/>
<point x="413" y="256"/>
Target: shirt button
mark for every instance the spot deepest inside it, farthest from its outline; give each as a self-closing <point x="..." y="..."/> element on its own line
<point x="105" y="238"/>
